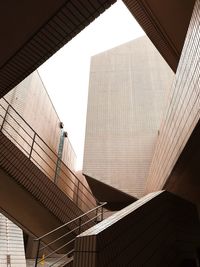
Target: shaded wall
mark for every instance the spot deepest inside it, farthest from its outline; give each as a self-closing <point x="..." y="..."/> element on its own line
<point x="184" y="178"/>
<point x="183" y="111"/>
<point x="153" y="231"/>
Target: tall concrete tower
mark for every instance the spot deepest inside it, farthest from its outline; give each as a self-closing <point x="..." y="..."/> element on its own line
<point x="127" y="96"/>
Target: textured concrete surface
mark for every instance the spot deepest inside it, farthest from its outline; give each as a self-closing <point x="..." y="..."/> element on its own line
<point x="128" y="88"/>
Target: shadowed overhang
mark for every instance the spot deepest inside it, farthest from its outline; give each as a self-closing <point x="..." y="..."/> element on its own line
<point x="116" y="199"/>
<point x="165" y="23"/>
<point x="32" y="31"/>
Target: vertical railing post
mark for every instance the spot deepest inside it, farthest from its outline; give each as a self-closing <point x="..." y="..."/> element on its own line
<point x="4" y="119"/>
<point x="37" y="253"/>
<point x="97" y="215"/>
<point x="32" y="145"/>
<point x="77" y="192"/>
<point x="102" y="213"/>
<point x="79" y="222"/>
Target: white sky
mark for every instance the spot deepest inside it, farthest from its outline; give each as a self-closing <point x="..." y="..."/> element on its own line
<point x="66" y="74"/>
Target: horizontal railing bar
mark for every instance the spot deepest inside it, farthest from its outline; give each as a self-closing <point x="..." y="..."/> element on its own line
<point x="79" y="190"/>
<point x="51" y="178"/>
<point x="18" y="122"/>
<point x="16" y="142"/>
<point x="71" y="251"/>
<point x="90" y="219"/>
<point x="43" y="170"/>
<point x="45" y="151"/>
<point x="42" y="159"/>
<point x="16" y="133"/>
<point x="35" y="185"/>
<point x="79" y="181"/>
<point x="44" y="144"/>
<point x="79" y="186"/>
<point x="67" y="242"/>
<point x="92" y="201"/>
<point x="5" y="109"/>
<point x="34" y="131"/>
<point x="71" y="231"/>
<point x="74" y="183"/>
<point x="8" y="114"/>
<point x="62" y="258"/>
<point x="18" y="114"/>
<point x="47" y="256"/>
<point x="66" y="184"/>
<point x="61" y="178"/>
<point x="38" y="188"/>
<point x="60" y="227"/>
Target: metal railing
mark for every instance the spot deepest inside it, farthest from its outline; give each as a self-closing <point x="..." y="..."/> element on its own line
<point x="61" y="240"/>
<point x="34" y="147"/>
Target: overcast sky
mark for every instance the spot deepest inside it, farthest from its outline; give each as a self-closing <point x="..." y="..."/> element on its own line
<point x="66" y="74"/>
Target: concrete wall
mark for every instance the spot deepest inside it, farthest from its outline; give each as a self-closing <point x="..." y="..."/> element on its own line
<point x="32" y="101"/>
<point x="183" y="109"/>
<point x="127" y="93"/>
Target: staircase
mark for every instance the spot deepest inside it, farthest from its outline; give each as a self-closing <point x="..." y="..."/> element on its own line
<point x="56" y="248"/>
<point x="29" y="193"/>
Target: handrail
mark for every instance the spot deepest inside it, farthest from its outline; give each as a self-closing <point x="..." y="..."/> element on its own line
<point x="39" y="138"/>
<point x="79" y="182"/>
<point x="78" y="189"/>
<point x="77" y="218"/>
<point x="66" y="243"/>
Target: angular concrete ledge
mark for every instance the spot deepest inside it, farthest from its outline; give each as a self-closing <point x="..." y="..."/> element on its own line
<point x="153" y="231"/>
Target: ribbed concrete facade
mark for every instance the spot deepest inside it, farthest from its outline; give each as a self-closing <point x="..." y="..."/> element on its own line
<point x="183" y="110"/>
<point x="127" y="95"/>
<point x="11" y="244"/>
<point x="32" y="101"/>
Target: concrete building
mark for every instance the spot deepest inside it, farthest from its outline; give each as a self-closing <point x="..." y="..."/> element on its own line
<point x="160" y="229"/>
<point x="128" y="91"/>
